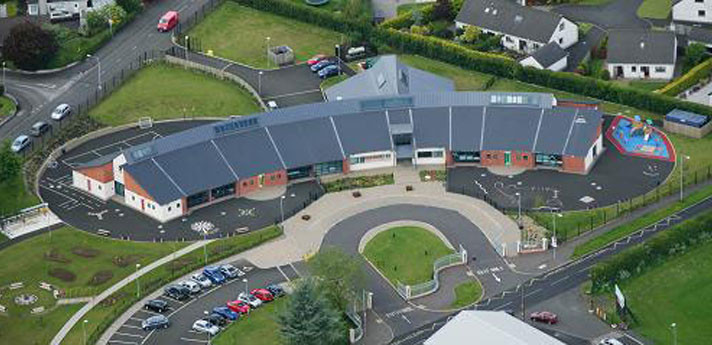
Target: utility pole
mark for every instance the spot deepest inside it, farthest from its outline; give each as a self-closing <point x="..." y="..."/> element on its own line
<point x="523" y="306"/>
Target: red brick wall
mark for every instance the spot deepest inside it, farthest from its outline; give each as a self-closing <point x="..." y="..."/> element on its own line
<point x="574" y="164"/>
<point x="496" y="158"/>
<point x="132" y="185"/>
<point x="103" y="173"/>
<point x="251" y="184"/>
<point x="347" y="166"/>
<point x="523" y="159"/>
<point x="184" y="204"/>
<point x="449" y="161"/>
<point x="490" y="158"/>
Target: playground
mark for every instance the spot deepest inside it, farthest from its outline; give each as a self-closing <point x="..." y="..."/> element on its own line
<point x="640" y="138"/>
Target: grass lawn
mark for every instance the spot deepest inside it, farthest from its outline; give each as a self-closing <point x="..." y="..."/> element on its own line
<point x="333" y="81"/>
<point x="467" y="293"/>
<point x="401" y="9"/>
<point x="331" y="6"/>
<point x="405" y="254"/>
<point x="164" y="91"/>
<point x="34" y="330"/>
<point x="258" y="328"/>
<point x="7" y="107"/>
<point x="642" y="85"/>
<point x="239" y="33"/>
<point x="680" y="291"/>
<point x="15" y="196"/>
<point x="654" y="9"/>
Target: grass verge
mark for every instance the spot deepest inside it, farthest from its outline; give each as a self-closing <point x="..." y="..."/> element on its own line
<point x="239" y="33"/>
<point x="15" y="196"/>
<point x="654" y="9"/>
<point x="258" y="328"/>
<point x="405" y="254"/>
<point x="164" y="91"/>
<point x="329" y="82"/>
<point x="29" y="329"/>
<point x="7" y="107"/>
<point x="467" y="293"/>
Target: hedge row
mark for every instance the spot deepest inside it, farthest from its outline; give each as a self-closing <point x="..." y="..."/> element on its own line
<point x="405" y="20"/>
<point x="688" y="80"/>
<point x="452" y="53"/>
<point x="673" y="241"/>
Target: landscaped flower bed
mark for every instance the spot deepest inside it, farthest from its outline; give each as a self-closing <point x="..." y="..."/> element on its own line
<point x="358" y="182"/>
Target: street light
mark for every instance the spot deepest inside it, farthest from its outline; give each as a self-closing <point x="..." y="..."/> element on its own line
<point x="205" y="246"/>
<point x="84" y="331"/>
<point x="338" y="56"/>
<point x="3" y="75"/>
<point x="259" y="83"/>
<point x="98" y="65"/>
<point x="138" y="285"/>
<point x="683" y="158"/>
<point x="281" y="204"/>
<point x="673" y="326"/>
<point x="187" y="49"/>
<point x="519" y="209"/>
<point x="554" y="243"/>
<point x="268" y="38"/>
<point x="244" y="280"/>
<point x="205" y="312"/>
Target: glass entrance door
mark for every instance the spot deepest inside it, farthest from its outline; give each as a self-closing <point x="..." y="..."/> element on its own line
<point x="507" y="158"/>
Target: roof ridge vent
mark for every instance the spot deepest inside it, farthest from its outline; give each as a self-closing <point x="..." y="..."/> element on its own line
<point x="642" y="44"/>
<point x="580" y="119"/>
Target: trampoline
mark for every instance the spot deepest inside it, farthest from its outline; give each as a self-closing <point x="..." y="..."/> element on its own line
<point x="316" y="2"/>
<point x="635" y="137"/>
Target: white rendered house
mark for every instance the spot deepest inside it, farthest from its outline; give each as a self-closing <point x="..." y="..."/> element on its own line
<point x="641" y="54"/>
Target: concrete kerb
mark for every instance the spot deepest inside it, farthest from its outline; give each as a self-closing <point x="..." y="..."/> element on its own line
<point x="47" y="71"/>
<point x="17" y="105"/>
<point x="370" y="234"/>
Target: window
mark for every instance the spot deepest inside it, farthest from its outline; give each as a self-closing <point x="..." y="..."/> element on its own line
<point x="660" y="69"/>
<point x="133" y="198"/>
<point x="169" y="209"/>
<point x="99" y="187"/>
<point x="252" y="182"/>
<point x="633" y="69"/>
<point x="561" y="40"/>
<point x="489" y="156"/>
<point x="526" y="158"/>
<point x="430" y="154"/>
<point x="701" y="13"/>
<point x="177" y="205"/>
<point x="370" y="158"/>
<point x="699" y="1"/>
<point x="508" y="39"/>
<point x="244" y="184"/>
<point x="561" y="26"/>
<point x="332" y="167"/>
<point x="271" y="178"/>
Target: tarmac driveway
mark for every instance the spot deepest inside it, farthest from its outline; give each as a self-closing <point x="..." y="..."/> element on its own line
<point x="618" y="14"/>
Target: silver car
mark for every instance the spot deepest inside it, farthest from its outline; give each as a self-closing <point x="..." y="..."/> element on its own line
<point x="202" y="280"/>
<point x="61" y="111"/>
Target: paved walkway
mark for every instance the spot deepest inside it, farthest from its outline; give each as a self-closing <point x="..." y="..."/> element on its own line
<point x="116" y="287"/>
<point x="31" y="224"/>
<point x="77" y="300"/>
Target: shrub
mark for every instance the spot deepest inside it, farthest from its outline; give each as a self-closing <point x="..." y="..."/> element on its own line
<point x="419" y="30"/>
<point x="100" y="277"/>
<point x="29" y="46"/>
<point x="695" y="53"/>
<point x="130" y="6"/>
<point x="62" y="274"/>
<point x="688" y="80"/>
<point x="471" y="34"/>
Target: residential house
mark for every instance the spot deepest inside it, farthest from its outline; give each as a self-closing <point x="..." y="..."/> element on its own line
<point x="523" y="29"/>
<point x="687" y="13"/>
<point x="641" y="54"/>
<point x="550" y="57"/>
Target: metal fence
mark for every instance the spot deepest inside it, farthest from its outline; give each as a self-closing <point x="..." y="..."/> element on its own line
<point x="179" y="33"/>
<point x="419" y="290"/>
<point x="359" y="304"/>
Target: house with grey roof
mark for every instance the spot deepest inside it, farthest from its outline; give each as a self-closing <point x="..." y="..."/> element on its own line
<point x="641" y="54"/>
<point x="689" y="13"/>
<point x="389" y="77"/>
<point x="523" y="29"/>
<point x="173" y="175"/>
<point x="550" y="57"/>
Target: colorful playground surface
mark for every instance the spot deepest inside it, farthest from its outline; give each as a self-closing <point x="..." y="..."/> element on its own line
<point x="640" y="138"/>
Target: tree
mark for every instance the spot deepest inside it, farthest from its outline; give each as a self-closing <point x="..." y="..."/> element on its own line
<point x="442" y="10"/>
<point x="130" y="6"/>
<point x="309" y="318"/>
<point x="10" y="163"/>
<point x="341" y="275"/>
<point x="694" y="54"/>
<point x="471" y="34"/>
<point x="29" y="46"/>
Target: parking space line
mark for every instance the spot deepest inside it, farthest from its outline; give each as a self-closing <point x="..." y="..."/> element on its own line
<point x="147" y="336"/>
<point x="194" y="340"/>
<point x="293" y="94"/>
<point x="128" y="335"/>
<point x="122" y="342"/>
<point x="503" y="306"/>
<point x="295" y="270"/>
<point x="130" y="326"/>
<point x="284" y="275"/>
<point x="136" y="319"/>
<point x="559" y="280"/>
<point x="632" y="338"/>
<point x="531" y="293"/>
<point x="174" y="300"/>
<point x="148" y="312"/>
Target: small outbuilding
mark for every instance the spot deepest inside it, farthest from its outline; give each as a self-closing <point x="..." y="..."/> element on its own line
<point x="687" y="123"/>
<point x="550" y="57"/>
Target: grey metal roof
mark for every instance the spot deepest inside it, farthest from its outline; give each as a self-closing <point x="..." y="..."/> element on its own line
<point x="510" y="18"/>
<point x="700" y="35"/>
<point x="388" y="76"/>
<point x="467" y="128"/>
<point x="583" y="132"/>
<point x="154" y="181"/>
<point x="431" y="127"/>
<point x="549" y="54"/>
<point x="363" y="132"/>
<point x="399" y="116"/>
<point x="250" y="153"/>
<point x="510" y="130"/>
<point x="554" y="129"/>
<point x="306" y="142"/>
<point x="98" y="161"/>
<point x="641" y="46"/>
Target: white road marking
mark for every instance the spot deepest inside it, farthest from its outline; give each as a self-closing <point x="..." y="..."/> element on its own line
<point x="284" y="275"/>
<point x="129" y="335"/>
<point x="293" y="94"/>
<point x="122" y="342"/>
<point x="559" y="280"/>
<point x="531" y="293"/>
<point x="632" y="338"/>
<point x="130" y="326"/>
<point x="503" y="306"/>
<point x="496" y="278"/>
<point x="295" y="269"/>
<point x="194" y="340"/>
<point x="406" y="319"/>
<point x="136" y="319"/>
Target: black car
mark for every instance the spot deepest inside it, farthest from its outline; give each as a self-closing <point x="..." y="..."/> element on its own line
<point x="216" y="319"/>
<point x="39" y="128"/>
<point x="157" y="305"/>
<point x="155" y="322"/>
<point x="177" y="292"/>
<point x="275" y="290"/>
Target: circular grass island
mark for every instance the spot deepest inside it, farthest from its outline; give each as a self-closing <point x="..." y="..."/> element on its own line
<point x="316" y="2"/>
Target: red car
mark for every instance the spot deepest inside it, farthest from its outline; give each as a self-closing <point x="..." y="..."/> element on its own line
<point x="315" y="59"/>
<point x="544" y="316"/>
<point x="238" y="306"/>
<point x="168" y="21"/>
<point x="263" y="295"/>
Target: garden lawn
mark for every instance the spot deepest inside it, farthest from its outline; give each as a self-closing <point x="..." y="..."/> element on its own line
<point x="333" y="81"/>
<point x="258" y="328"/>
<point x="642" y="85"/>
<point x="405" y="254"/>
<point x="7" y="107"/>
<point x="331" y="6"/>
<point x="164" y="91"/>
<point x="239" y="33"/>
<point x="15" y="196"/>
<point x="680" y="291"/>
<point x="402" y="9"/>
<point x="654" y="9"/>
<point x="34" y="330"/>
<point x="467" y="293"/>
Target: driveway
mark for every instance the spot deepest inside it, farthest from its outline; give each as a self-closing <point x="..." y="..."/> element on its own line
<point x="578" y="51"/>
<point x="618" y="14"/>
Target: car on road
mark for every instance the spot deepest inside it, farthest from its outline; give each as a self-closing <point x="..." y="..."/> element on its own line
<point x="544" y="316"/>
<point x="238" y="306"/>
<point x="20" y="143"/>
<point x="226" y="313"/>
<point x="230" y="271"/>
<point x="275" y="290"/>
<point x="272" y="105"/>
<point x="213" y="273"/>
<point x="203" y="326"/>
<point x="192" y="286"/>
<point x="168" y="21"/>
<point x="157" y="305"/>
<point x="216" y="320"/>
<point x="321" y="64"/>
<point x="155" y="322"/>
<point x="328" y="71"/>
<point x="249" y="299"/>
<point x="39" y="128"/>
<point x="610" y="341"/>
<point x="262" y="294"/>
<point x="177" y="292"/>
<point x="315" y="59"/>
<point x="202" y="280"/>
<point x="61" y="111"/>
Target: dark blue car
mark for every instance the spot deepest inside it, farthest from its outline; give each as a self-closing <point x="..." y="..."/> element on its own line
<point x="226" y="313"/>
<point x="213" y="273"/>
<point x="328" y="71"/>
<point x="321" y="64"/>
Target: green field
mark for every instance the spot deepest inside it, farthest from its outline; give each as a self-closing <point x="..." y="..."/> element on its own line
<point x="15" y="196"/>
<point x="164" y="91"/>
<point x="35" y="330"/>
<point x="467" y="293"/>
<point x="654" y="9"/>
<point x="402" y="9"/>
<point x="240" y="34"/>
<point x="258" y="328"/>
<point x="7" y="107"/>
<point x="678" y="291"/>
<point x="405" y="254"/>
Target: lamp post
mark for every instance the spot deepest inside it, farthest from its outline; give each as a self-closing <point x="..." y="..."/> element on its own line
<point x="205" y="246"/>
<point x="673" y="326"/>
<point x="3" y="75"/>
<point x="187" y="48"/>
<point x="205" y="312"/>
<point x="244" y="280"/>
<point x="683" y="158"/>
<point x="259" y="83"/>
<point x="84" y="331"/>
<point x="281" y="205"/>
<point x="138" y="285"/>
<point x="554" y="242"/>
<point x="98" y="66"/>
<point x="268" y="38"/>
<point x="519" y="209"/>
<point x="338" y="56"/>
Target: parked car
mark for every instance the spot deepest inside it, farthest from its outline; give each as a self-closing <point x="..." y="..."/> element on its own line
<point x="61" y="111"/>
<point x="230" y="271"/>
<point x="315" y="59"/>
<point x="328" y="71"/>
<point x="275" y="290"/>
<point x="39" y="128"/>
<point x="321" y="64"/>
<point x="202" y="280"/>
<point x="544" y="316"/>
<point x="192" y="286"/>
<point x="203" y="326"/>
<point x="272" y="105"/>
<point x="155" y="322"/>
<point x="20" y="143"/>
<point x="177" y="292"/>
<point x="157" y="305"/>
<point x="168" y="21"/>
<point x="215" y="319"/>
<point x="249" y="299"/>
<point x="213" y="273"/>
<point x="226" y="313"/>
<point x="239" y="306"/>
<point x="262" y="294"/>
<point x="610" y="341"/>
